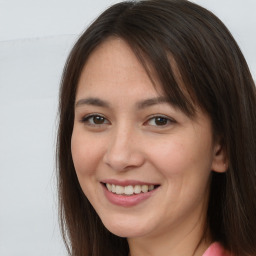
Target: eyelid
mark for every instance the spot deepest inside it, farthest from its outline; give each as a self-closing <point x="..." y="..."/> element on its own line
<point x="85" y="119"/>
<point x="169" y="119"/>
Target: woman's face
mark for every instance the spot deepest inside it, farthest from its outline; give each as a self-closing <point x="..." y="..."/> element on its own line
<point x="142" y="163"/>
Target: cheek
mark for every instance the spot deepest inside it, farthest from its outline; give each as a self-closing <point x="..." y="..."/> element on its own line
<point x="184" y="156"/>
<point x="186" y="170"/>
<point x="86" y="153"/>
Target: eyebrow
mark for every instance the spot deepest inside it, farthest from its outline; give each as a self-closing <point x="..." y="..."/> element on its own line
<point x="139" y="105"/>
<point x="152" y="101"/>
<point x="92" y="101"/>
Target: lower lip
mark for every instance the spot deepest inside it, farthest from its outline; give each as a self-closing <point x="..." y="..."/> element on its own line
<point x="127" y="201"/>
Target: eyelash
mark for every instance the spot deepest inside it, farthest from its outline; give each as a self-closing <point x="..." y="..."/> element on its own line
<point x="167" y="120"/>
<point x="86" y="119"/>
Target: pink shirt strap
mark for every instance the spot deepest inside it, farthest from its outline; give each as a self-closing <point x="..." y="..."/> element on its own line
<point x="216" y="249"/>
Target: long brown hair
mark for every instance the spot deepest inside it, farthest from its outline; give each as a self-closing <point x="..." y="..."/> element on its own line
<point x="217" y="78"/>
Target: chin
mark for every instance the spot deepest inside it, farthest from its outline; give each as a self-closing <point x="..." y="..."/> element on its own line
<point x="130" y="232"/>
<point x="127" y="229"/>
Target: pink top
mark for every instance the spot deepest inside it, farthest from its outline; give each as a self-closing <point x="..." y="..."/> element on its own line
<point x="216" y="249"/>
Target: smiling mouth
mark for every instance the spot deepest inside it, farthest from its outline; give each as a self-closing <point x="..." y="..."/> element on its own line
<point x="130" y="189"/>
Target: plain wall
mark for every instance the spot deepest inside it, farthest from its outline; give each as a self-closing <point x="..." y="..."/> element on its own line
<point x="35" y="38"/>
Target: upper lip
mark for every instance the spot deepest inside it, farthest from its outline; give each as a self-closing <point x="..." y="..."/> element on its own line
<point x="127" y="182"/>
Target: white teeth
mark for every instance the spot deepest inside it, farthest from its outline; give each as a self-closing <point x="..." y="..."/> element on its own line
<point x="119" y="190"/>
<point x="150" y="187"/>
<point x="144" y="188"/>
<point x="109" y="187"/>
<point x="137" y="189"/>
<point x="129" y="190"/>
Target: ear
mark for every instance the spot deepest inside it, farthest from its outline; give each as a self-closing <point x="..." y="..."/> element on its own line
<point x="220" y="161"/>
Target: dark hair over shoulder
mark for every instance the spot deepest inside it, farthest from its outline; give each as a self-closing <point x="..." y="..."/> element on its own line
<point x="216" y="78"/>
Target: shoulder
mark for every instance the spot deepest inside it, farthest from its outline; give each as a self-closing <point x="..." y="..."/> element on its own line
<point x="216" y="249"/>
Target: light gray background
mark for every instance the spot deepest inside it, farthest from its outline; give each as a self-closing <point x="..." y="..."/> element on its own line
<point x="35" y="38"/>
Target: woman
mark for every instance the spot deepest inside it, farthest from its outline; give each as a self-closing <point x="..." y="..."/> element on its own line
<point x="156" y="143"/>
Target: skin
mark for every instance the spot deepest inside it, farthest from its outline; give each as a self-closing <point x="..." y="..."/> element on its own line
<point x="129" y="144"/>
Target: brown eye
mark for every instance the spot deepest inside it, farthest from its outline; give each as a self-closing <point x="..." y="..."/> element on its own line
<point x="160" y="121"/>
<point x="95" y="120"/>
<point x="98" y="120"/>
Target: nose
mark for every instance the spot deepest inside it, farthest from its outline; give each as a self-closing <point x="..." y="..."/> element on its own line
<point x="124" y="150"/>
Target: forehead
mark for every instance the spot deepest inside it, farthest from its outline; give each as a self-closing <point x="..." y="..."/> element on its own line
<point x="113" y="64"/>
